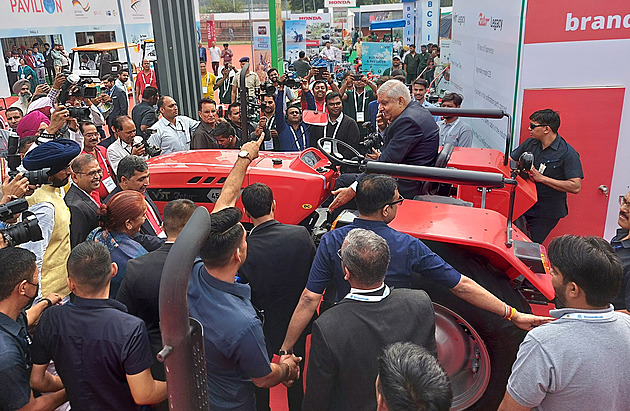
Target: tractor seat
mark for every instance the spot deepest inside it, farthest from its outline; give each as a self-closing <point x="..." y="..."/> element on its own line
<point x="443" y="200"/>
<point x="431" y="188"/>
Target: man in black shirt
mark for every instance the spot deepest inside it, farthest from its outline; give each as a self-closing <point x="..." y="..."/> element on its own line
<point x="301" y="66"/>
<point x="202" y="137"/>
<point x="143" y="114"/>
<point x="101" y="352"/>
<point x="276" y="279"/>
<point x="557" y="170"/>
<point x="18" y="286"/>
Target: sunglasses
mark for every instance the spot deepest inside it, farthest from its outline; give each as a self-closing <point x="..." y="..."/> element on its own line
<point x="533" y="126"/>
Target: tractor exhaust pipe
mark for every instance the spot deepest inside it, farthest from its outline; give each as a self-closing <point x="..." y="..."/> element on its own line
<point x="182" y="336"/>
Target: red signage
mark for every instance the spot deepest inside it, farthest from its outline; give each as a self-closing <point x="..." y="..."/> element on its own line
<point x="570" y="20"/>
<point x="210" y="30"/>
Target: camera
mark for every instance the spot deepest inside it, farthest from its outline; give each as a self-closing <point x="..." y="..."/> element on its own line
<point x="27" y="230"/>
<point x="151" y="151"/>
<point x="77" y="86"/>
<point x="267" y="88"/>
<point x="291" y="80"/>
<point x="79" y="113"/>
<point x="35" y="177"/>
<point x="10" y="209"/>
<point x="20" y="233"/>
<point x="372" y="140"/>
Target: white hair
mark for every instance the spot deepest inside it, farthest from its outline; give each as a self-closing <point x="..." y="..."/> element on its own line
<point x="395" y="89"/>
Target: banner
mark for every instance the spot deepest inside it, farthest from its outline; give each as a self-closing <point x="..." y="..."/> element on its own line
<point x="295" y="38"/>
<point x="484" y="62"/>
<point x="410" y="21"/>
<point x="317" y="31"/>
<point x="377" y="57"/>
<point x="211" y="30"/>
<point x="262" y="49"/>
<point x="429" y="21"/>
<point x="340" y="3"/>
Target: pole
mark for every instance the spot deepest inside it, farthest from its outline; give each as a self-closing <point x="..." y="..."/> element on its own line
<point x="124" y="33"/>
<point x="251" y="34"/>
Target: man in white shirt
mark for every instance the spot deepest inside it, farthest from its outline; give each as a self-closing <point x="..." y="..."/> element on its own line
<point x="419" y="90"/>
<point x="452" y="130"/>
<point x="173" y="132"/>
<point x="121" y="81"/>
<point x="331" y="55"/>
<point x="125" y="130"/>
<point x="215" y="57"/>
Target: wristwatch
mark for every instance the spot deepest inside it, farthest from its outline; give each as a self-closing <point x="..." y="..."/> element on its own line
<point x="244" y="154"/>
<point x="285" y="352"/>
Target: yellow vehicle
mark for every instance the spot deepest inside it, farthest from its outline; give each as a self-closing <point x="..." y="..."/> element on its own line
<point x="103" y="59"/>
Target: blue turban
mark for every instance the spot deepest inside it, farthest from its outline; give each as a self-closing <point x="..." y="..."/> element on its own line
<point x="56" y="154"/>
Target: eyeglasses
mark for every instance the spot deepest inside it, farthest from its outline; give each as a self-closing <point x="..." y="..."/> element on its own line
<point x="624" y="202"/>
<point x="92" y="173"/>
<point x="399" y="201"/>
<point x="533" y="126"/>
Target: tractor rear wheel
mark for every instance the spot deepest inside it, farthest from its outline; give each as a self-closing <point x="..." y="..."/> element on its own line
<point x="476" y="348"/>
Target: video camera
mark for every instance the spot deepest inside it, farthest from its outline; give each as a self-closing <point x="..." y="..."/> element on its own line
<point x="292" y="80"/>
<point x="373" y="140"/>
<point x="23" y="232"/>
<point x="35" y="177"/>
<point x="77" y="86"/>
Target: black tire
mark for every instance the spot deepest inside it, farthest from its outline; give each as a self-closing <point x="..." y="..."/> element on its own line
<point x="501" y="337"/>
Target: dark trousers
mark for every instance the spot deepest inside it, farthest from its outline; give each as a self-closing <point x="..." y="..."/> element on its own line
<point x="215" y="67"/>
<point x="295" y="393"/>
<point x="50" y="74"/>
<point x="539" y="227"/>
<point x="13" y="76"/>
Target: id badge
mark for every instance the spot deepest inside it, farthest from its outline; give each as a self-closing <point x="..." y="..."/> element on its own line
<point x="205" y="90"/>
<point x="360" y="117"/>
<point x="109" y="184"/>
<point x="541" y="168"/>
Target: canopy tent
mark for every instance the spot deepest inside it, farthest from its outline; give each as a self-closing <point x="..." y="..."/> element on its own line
<point x="387" y="24"/>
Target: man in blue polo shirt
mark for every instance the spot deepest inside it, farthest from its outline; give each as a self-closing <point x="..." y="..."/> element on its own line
<point x="557" y="170"/>
<point x="18" y="286"/>
<point x="378" y="201"/>
<point x="236" y="355"/>
<point x="101" y="353"/>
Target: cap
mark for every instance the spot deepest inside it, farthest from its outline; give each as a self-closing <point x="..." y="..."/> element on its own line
<point x="244" y="59"/>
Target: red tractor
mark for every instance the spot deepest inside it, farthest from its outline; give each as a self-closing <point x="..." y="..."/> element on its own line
<point x="469" y="225"/>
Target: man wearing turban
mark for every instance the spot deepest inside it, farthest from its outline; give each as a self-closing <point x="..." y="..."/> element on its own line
<point x="52" y="213"/>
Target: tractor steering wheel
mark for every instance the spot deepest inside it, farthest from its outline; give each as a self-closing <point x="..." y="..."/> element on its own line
<point x="329" y="148"/>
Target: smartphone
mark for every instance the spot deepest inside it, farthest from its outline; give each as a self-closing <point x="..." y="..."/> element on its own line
<point x="320" y="73"/>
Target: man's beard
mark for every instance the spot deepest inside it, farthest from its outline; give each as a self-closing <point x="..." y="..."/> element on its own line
<point x="26" y="97"/>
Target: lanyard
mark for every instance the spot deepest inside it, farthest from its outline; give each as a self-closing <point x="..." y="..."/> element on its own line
<point x="144" y="78"/>
<point x="336" y="129"/>
<point x="589" y="316"/>
<point x="270" y="121"/>
<point x="207" y="78"/>
<point x="105" y="163"/>
<point x="302" y="141"/>
<point x="369" y="298"/>
<point x="356" y="103"/>
<point x="226" y="86"/>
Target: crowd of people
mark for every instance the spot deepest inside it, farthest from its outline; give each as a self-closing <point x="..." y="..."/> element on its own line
<point x="88" y="291"/>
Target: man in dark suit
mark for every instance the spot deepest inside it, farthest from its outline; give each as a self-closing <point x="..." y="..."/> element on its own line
<point x="82" y="198"/>
<point x="276" y="278"/>
<point x="349" y="337"/>
<point x="133" y="174"/>
<point x="410" y="136"/>
<point x="120" y="102"/>
<point x="140" y="289"/>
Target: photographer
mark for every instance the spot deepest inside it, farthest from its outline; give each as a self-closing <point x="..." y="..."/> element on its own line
<point x="293" y="133"/>
<point x="273" y="76"/>
<point x="224" y="83"/>
<point x="356" y="99"/>
<point x="52" y="213"/>
<point x="267" y="123"/>
<point x="234" y="118"/>
<point x="125" y="131"/>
